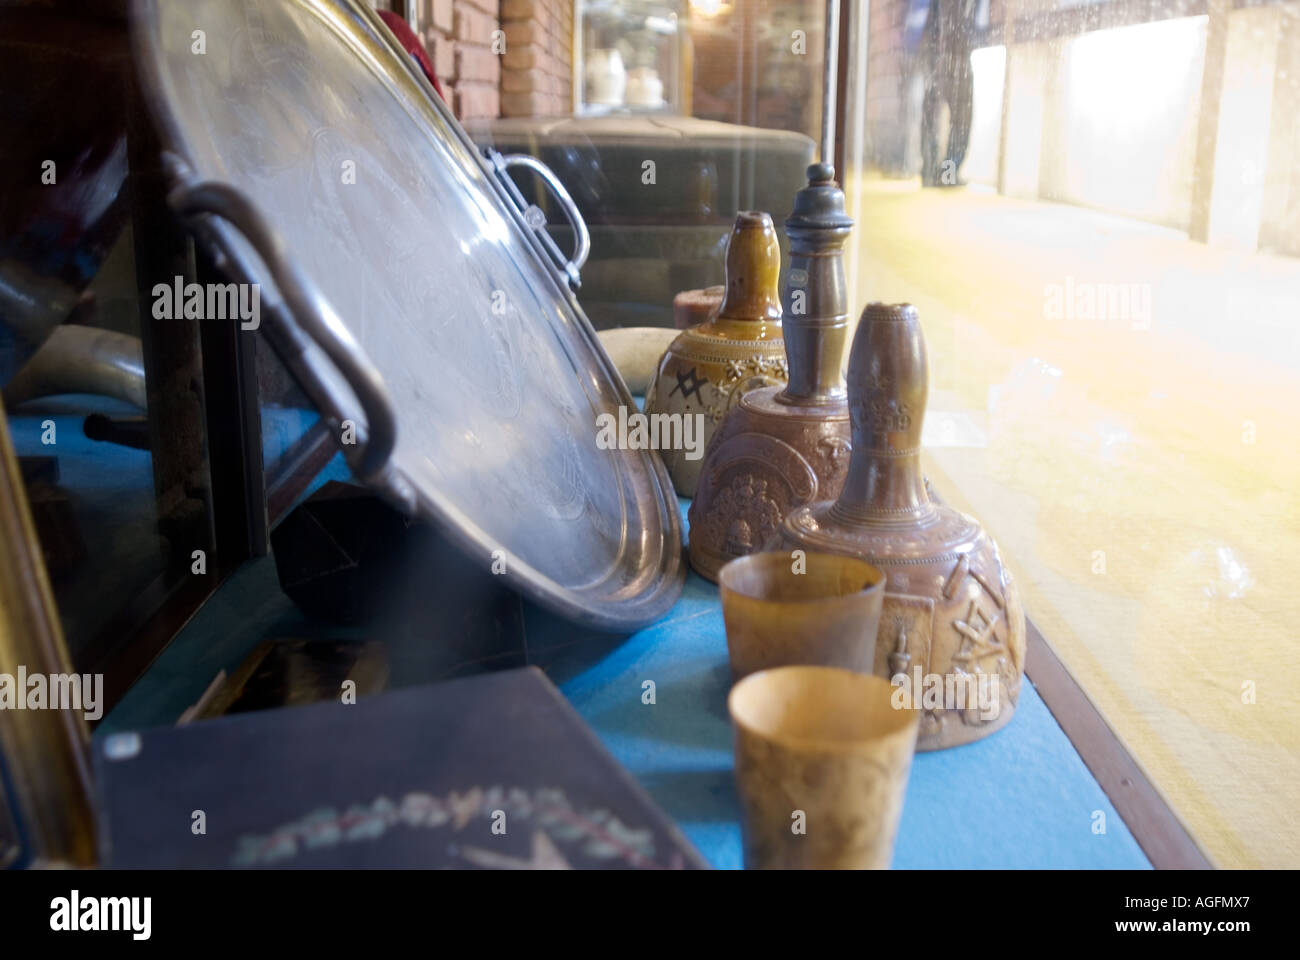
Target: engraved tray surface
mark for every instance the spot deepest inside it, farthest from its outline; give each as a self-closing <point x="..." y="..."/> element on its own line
<point x="495" y="375"/>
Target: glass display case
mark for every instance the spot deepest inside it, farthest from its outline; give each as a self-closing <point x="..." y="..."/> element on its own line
<point x="571" y="308"/>
<point x="631" y="56"/>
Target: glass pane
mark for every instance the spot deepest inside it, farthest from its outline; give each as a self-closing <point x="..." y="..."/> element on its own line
<point x="1096" y="210"/>
<point x="682" y="114"/>
<point x="104" y="400"/>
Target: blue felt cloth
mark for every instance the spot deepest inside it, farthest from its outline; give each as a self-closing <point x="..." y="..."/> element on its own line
<point x="1020" y="798"/>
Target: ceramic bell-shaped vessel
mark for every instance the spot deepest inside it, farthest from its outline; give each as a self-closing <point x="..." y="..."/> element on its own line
<point x="952" y="623"/>
<point x="782" y="447"/>
<point x="709" y="367"/>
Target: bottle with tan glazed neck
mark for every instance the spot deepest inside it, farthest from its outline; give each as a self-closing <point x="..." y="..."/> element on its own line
<point x="952" y="623"/>
<point x="709" y="367"/>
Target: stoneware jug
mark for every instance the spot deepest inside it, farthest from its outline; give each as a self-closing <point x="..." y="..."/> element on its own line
<point x="783" y="447"/>
<point x="952" y="623"/>
<point x="709" y="367"/>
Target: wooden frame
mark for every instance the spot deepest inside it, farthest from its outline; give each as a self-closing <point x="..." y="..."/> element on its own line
<point x="1154" y="825"/>
<point x="44" y="754"/>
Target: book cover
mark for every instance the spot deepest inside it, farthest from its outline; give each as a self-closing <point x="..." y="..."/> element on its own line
<point x="494" y="771"/>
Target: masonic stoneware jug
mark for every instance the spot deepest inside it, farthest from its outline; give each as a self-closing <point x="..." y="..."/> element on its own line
<point x="952" y="624"/>
<point x="709" y="367"/>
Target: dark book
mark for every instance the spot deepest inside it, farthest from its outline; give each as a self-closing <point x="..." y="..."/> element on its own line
<point x="491" y="771"/>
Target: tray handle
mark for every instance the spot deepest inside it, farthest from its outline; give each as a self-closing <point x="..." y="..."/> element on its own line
<point x="571" y="266"/>
<point x="307" y="307"/>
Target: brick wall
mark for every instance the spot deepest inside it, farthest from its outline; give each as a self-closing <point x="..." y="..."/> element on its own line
<point x="458" y="35"/>
<point x="747" y="69"/>
<point x="537" y="79"/>
<point x="530" y="77"/>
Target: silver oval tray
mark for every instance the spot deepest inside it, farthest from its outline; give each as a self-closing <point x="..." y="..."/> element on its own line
<point x="409" y="295"/>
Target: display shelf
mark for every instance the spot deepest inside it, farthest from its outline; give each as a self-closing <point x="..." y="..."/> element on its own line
<point x="1022" y="798"/>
